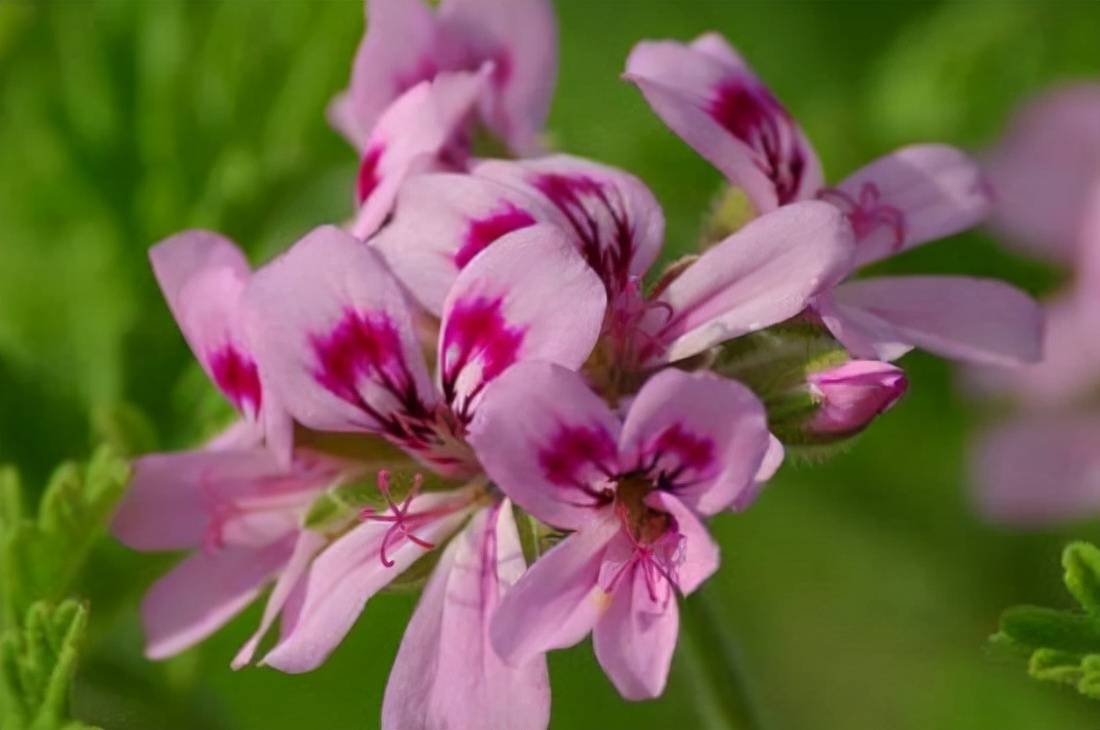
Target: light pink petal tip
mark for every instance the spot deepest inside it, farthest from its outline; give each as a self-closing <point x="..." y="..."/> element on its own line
<point x="1033" y="473"/>
<point x="543" y="437"/>
<point x="763" y="274"/>
<point x="204" y="592"/>
<point x="976" y="320"/>
<point x="710" y="432"/>
<point x="707" y="95"/>
<point x="635" y="639"/>
<point x="446" y="673"/>
<point x="914" y="195"/>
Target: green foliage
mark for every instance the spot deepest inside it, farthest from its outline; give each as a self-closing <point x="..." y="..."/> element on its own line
<point x="42" y="555"/>
<point x="37" y="665"/>
<point x="1062" y="646"/>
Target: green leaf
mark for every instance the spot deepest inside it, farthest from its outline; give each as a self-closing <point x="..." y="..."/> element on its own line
<point x="37" y="665"/>
<point x="1061" y="646"/>
<point x="41" y="557"/>
<point x="1081" y="562"/>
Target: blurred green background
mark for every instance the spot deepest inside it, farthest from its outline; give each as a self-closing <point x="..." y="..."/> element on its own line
<point x="859" y="592"/>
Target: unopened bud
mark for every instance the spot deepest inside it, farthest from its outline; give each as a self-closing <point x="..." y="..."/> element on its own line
<point x="851" y="395"/>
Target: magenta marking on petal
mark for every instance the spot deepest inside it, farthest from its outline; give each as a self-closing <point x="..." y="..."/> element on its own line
<point x="369" y="178"/>
<point x="477" y="331"/>
<point x="574" y="448"/>
<point x="237" y="376"/>
<point x="691" y="451"/>
<point x="868" y="213"/>
<point x="366" y="347"/>
<point x="597" y="213"/>
<point x="753" y="115"/>
<point x="484" y="231"/>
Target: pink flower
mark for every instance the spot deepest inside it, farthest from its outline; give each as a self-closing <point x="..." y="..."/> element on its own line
<point x="407" y="43"/>
<point x="239" y="511"/>
<point x="203" y="277"/>
<point x="1046" y="168"/>
<point x="852" y="395"/>
<point x="763" y="274"/>
<point x="690" y="445"/>
<point x="1041" y="465"/>
<point x="706" y="93"/>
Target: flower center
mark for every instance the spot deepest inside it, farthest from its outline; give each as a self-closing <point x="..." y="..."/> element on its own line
<point x="644" y="524"/>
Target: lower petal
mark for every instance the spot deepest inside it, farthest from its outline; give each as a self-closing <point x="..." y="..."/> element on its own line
<point x="977" y="320"/>
<point x="558" y="600"/>
<point x="204" y="592"/>
<point x="635" y="639"/>
<point x="446" y="673"/>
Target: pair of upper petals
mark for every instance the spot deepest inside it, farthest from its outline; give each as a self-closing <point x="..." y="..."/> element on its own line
<point x="763" y="274"/>
<point x="706" y="93"/>
<point x="407" y="43"/>
<point x="335" y="332"/>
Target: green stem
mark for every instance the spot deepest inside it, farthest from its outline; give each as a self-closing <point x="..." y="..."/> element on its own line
<point x="714" y="661"/>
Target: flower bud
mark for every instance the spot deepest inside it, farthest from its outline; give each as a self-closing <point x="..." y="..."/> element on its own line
<point x="851" y="395"/>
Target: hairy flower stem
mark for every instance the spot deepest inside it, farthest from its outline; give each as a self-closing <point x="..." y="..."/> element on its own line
<point x="715" y="664"/>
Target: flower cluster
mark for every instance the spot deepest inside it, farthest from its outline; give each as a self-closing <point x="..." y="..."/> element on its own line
<point x="552" y="476"/>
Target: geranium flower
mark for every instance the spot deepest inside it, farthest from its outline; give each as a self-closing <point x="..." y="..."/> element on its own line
<point x="632" y="492"/>
<point x="708" y="95"/>
<point x="406" y="43"/>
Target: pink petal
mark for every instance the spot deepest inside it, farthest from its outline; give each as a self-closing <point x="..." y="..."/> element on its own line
<point x="977" y="320"/>
<point x="558" y="600"/>
<point x="698" y="551"/>
<point x="548" y="441"/>
<point x="1045" y="168"/>
<point x="708" y="96"/>
<point x="1040" y="471"/>
<point x="332" y="330"/>
<point x="409" y="138"/>
<point x="306" y="547"/>
<point x="528" y="297"/>
<point x="203" y="275"/>
<point x="398" y="51"/>
<point x="520" y="38"/>
<point x="348" y="573"/>
<point x="635" y="639"/>
<point x="706" y="434"/>
<point x="204" y="592"/>
<point x="1069" y="369"/>
<point x="442" y="221"/>
<point x="610" y="215"/>
<point x="446" y="673"/>
<point x="175" y="500"/>
<point x="909" y="197"/>
<point x="763" y="274"/>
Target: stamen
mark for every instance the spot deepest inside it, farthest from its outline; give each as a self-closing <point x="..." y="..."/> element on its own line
<point x="868" y="212"/>
<point x="403" y="522"/>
